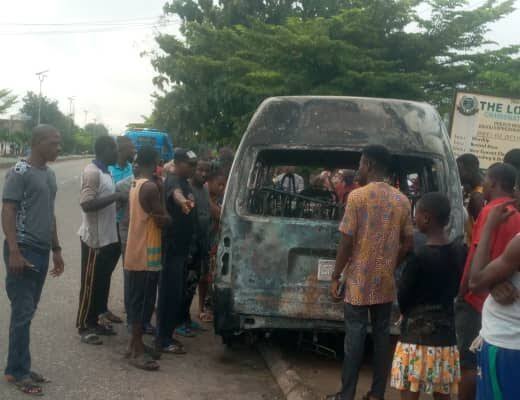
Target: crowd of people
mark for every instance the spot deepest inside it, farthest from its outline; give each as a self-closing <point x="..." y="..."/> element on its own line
<point x="459" y="299"/>
<point x="161" y="220"/>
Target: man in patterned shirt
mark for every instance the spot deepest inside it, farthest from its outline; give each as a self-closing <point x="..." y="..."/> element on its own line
<point x="376" y="234"/>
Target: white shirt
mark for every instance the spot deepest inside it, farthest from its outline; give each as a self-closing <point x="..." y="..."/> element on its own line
<point x="98" y="228"/>
<point x="501" y="324"/>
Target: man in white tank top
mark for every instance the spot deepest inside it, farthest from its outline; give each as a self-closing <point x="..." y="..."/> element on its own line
<point x="499" y="356"/>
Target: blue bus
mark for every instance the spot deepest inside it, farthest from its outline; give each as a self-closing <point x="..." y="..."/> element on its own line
<point x="148" y="136"/>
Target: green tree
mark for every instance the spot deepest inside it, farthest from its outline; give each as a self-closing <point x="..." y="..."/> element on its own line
<point x="50" y="114"/>
<point x="236" y="53"/>
<point x="7" y="100"/>
<point x="96" y="130"/>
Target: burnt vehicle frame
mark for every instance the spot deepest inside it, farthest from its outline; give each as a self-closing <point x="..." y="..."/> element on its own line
<point x="272" y="243"/>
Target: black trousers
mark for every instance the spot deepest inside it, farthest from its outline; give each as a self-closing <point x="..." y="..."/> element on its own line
<point x="171" y="298"/>
<point x="97" y="266"/>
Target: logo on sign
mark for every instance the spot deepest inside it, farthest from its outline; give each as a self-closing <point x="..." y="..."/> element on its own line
<point x="468" y="105"/>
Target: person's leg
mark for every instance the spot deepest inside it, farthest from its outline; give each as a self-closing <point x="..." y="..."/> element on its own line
<point x="507" y="363"/>
<point x="356" y="321"/>
<point x="468" y="324"/>
<point x="192" y="281"/>
<point x="86" y="318"/>
<point x="380" y="320"/>
<point x="165" y="300"/>
<point x="151" y="297"/>
<point x="484" y="389"/>
<point x="407" y="395"/>
<point x="139" y="297"/>
<point x="108" y="258"/>
<point x="203" y="292"/>
<point x="136" y="301"/>
<point x="24" y="293"/>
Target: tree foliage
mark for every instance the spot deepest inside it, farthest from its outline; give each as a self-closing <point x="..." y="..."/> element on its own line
<point x="7" y="100"/>
<point x="50" y="114"/>
<point x="235" y="53"/>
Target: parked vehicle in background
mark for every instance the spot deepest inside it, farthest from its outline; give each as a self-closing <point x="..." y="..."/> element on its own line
<point x="277" y="245"/>
<point x="148" y="136"/>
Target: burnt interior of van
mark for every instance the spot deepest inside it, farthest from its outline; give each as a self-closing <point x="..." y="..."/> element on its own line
<point x="304" y="183"/>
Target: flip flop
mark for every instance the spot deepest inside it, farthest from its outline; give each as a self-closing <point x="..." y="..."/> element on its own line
<point x="104" y="330"/>
<point x="184" y="331"/>
<point x="197" y="327"/>
<point x="144" y="362"/>
<point x="156" y="355"/>
<point x="38" y="378"/>
<point x="110" y="316"/>
<point x="173" y="349"/>
<point x="92" y="339"/>
<point x="27" y="386"/>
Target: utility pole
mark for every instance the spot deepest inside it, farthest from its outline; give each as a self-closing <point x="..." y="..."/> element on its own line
<point x="71" y="116"/>
<point x="41" y="77"/>
<point x="86" y="115"/>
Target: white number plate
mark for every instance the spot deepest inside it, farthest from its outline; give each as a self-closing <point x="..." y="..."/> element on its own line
<point x="325" y="269"/>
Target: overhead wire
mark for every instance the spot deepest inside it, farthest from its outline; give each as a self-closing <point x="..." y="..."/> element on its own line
<point x="93" y="27"/>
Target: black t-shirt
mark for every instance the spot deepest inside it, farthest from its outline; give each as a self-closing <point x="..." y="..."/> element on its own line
<point x="427" y="288"/>
<point x="179" y="235"/>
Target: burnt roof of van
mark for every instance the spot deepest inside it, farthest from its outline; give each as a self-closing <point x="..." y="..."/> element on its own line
<point x="347" y="122"/>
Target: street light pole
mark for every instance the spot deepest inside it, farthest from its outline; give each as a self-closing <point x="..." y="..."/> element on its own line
<point x="41" y="77"/>
<point x="71" y="116"/>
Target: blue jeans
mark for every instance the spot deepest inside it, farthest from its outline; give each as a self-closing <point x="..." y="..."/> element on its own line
<point x="356" y="324"/>
<point x="24" y="293"/>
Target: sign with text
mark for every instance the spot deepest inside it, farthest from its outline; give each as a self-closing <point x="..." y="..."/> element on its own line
<point x="486" y="126"/>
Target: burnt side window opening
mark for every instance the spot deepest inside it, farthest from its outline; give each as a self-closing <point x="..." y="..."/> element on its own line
<point x="315" y="184"/>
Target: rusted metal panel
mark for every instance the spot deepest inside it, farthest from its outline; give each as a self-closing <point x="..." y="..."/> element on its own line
<point x="267" y="267"/>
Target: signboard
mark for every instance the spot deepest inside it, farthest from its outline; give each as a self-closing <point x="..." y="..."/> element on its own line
<point x="486" y="126"/>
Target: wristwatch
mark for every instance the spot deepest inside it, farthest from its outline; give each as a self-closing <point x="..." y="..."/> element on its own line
<point x="56" y="248"/>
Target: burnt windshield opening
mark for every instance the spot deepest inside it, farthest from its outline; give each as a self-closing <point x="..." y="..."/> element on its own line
<point x="315" y="184"/>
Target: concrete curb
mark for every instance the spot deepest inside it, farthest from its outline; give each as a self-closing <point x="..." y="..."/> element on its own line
<point x="288" y="379"/>
<point x="4" y="165"/>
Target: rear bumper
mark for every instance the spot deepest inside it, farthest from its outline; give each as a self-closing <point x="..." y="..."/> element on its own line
<point x="229" y="322"/>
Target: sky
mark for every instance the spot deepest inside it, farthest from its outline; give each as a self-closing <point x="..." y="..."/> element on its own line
<point x="103" y="71"/>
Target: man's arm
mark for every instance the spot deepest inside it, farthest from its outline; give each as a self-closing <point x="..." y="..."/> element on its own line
<point x="57" y="259"/>
<point x="476" y="204"/>
<point x="16" y="263"/>
<point x="406" y="235"/>
<point x="348" y="229"/>
<point x="89" y="200"/>
<point x="150" y="199"/>
<point x="485" y="274"/>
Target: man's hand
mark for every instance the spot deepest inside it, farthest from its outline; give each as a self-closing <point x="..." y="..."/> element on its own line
<point x="187" y="205"/>
<point x="499" y="214"/>
<point x="18" y="263"/>
<point x="122" y="197"/>
<point x="334" y="290"/>
<point x="504" y="293"/>
<point x="58" y="263"/>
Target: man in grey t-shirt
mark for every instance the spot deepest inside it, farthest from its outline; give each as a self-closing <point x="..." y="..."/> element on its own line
<point x="30" y="234"/>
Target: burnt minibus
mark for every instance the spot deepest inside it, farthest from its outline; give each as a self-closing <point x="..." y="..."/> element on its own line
<point x="279" y="226"/>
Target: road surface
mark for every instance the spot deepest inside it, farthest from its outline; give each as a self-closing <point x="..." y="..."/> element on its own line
<point x="82" y="372"/>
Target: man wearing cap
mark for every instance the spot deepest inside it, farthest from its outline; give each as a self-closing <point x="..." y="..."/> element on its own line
<point x="178" y="239"/>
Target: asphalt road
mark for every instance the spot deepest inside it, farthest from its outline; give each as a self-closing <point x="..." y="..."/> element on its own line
<point x="82" y="372"/>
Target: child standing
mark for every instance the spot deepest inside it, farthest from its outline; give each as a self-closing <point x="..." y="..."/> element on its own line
<point x="426" y="358"/>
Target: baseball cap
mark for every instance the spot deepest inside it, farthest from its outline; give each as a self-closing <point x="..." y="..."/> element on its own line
<point x="185" y="155"/>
